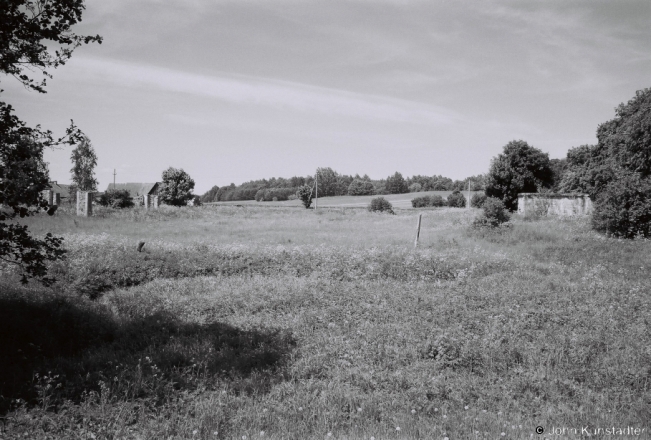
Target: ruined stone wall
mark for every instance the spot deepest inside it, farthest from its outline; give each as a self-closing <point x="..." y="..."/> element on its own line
<point x="554" y="204"/>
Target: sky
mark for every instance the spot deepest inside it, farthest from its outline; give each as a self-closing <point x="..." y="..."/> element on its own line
<point x="237" y="90"/>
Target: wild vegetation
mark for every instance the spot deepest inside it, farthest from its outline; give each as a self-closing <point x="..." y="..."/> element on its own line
<point x="244" y="322"/>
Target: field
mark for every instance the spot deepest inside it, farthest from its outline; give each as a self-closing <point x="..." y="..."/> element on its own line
<point x="266" y="322"/>
<point x="400" y="201"/>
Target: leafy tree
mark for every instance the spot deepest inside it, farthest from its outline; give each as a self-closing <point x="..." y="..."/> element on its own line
<point x="304" y="193"/>
<point x="210" y="195"/>
<point x="415" y="187"/>
<point x="456" y="200"/>
<point x="328" y="182"/>
<point x="477" y="200"/>
<point x="520" y="168"/>
<point x="176" y="187"/>
<point x="396" y="184"/>
<point x="34" y="35"/>
<point x="359" y="187"/>
<point x="84" y="161"/>
<point x="623" y="208"/>
<point x="116" y="198"/>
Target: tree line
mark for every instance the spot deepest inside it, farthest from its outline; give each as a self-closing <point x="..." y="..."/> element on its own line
<point x="331" y="183"/>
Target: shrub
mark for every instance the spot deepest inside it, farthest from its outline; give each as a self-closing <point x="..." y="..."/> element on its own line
<point x="494" y="214"/>
<point x="425" y="201"/>
<point x="415" y="187"/>
<point x="477" y="200"/>
<point x="116" y="198"/>
<point x="624" y="208"/>
<point x="360" y="187"/>
<point x="380" y="204"/>
<point x="437" y="201"/>
<point x="456" y="200"/>
<point x="305" y="194"/>
<point x="421" y="202"/>
<point x="195" y="201"/>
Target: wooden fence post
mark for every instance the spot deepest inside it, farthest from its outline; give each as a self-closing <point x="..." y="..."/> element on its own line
<point x="417" y="231"/>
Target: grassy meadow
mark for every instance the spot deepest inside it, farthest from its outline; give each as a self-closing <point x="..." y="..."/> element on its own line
<point x="268" y="322"/>
<point x="400" y="201"/>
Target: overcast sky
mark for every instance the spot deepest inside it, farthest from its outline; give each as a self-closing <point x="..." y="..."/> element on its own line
<point x="238" y="90"/>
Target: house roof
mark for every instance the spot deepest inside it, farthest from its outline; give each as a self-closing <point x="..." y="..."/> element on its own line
<point x="62" y="189"/>
<point x="135" y="189"/>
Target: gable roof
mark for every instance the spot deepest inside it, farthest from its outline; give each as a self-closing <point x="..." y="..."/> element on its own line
<point x="135" y="189"/>
<point x="62" y="189"/>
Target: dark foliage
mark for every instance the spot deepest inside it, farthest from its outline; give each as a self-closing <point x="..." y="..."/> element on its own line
<point x="34" y="35"/>
<point x="360" y="187"/>
<point x="274" y="194"/>
<point x="116" y="198"/>
<point x="176" y="187"/>
<point x="494" y="214"/>
<point x="380" y="204"/>
<point x="477" y="200"/>
<point x="520" y="168"/>
<point x="396" y="184"/>
<point x="304" y="194"/>
<point x="623" y="208"/>
<point x="428" y="201"/>
<point x="456" y="200"/>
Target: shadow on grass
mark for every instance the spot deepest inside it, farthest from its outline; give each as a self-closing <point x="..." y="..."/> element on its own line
<point x="51" y="350"/>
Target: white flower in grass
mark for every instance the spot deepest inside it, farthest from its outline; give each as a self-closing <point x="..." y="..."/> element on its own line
<point x="397" y="428"/>
<point x="436" y="409"/>
<point x="413" y="411"/>
<point x="300" y="408"/>
<point x="446" y="438"/>
<point x="243" y="437"/>
<point x="194" y="432"/>
<point x="512" y="426"/>
<point x="261" y="433"/>
<point x="359" y="409"/>
<point x="215" y="433"/>
<point x="499" y="413"/>
<point x="264" y="410"/>
<point x="483" y="410"/>
<point x="503" y="434"/>
<point x="372" y="438"/>
<point x="444" y="416"/>
<point x="329" y="434"/>
<point x="520" y="426"/>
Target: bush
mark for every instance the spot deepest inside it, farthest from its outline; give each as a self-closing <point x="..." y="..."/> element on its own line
<point x="426" y="201"/>
<point x="623" y="209"/>
<point x="415" y="187"/>
<point x="437" y="201"/>
<point x="421" y="202"/>
<point x="195" y="201"/>
<point x="380" y="204"/>
<point x="116" y="198"/>
<point x="305" y="194"/>
<point x="456" y="200"/>
<point x="494" y="214"/>
<point x="477" y="200"/>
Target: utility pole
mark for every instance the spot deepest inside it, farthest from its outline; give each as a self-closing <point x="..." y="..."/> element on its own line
<point x="114" y="173"/>
<point x="316" y="199"/>
<point x="468" y="194"/>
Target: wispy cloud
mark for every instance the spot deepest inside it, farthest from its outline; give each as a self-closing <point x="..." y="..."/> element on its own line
<point x="267" y="92"/>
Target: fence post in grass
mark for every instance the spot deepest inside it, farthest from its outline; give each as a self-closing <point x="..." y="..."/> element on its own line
<point x="417" y="231"/>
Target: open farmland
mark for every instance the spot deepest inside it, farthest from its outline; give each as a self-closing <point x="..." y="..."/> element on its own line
<point x="400" y="201"/>
<point x="250" y="322"/>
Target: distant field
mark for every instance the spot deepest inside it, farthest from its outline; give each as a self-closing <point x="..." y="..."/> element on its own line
<point x="401" y="201"/>
<point x="274" y="323"/>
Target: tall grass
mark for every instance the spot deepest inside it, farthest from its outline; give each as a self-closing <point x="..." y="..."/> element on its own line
<point x="477" y="334"/>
